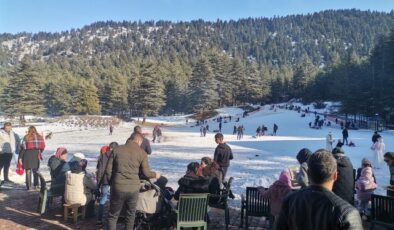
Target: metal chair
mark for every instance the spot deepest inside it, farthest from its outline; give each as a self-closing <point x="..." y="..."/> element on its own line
<point x="382" y="211"/>
<point x="255" y="205"/>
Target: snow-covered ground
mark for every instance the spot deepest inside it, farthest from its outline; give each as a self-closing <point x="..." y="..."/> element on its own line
<point x="257" y="161"/>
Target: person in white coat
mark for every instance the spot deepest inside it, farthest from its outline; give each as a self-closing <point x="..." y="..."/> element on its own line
<point x="378" y="152"/>
<point x="9" y="144"/>
<point x="329" y="141"/>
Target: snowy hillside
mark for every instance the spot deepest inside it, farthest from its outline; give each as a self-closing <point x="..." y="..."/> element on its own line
<point x="257" y="161"/>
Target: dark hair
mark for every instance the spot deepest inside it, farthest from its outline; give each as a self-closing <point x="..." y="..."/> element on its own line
<point x="321" y="166"/>
<point x="84" y="164"/>
<point x="193" y="167"/>
<point x="75" y="167"/>
<point x="112" y="145"/>
<point x="137" y="129"/>
<point x="303" y="155"/>
<point x="389" y="155"/>
<point x="219" y="136"/>
<point x="206" y="160"/>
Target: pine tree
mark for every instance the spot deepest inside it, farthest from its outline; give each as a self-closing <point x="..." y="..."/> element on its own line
<point x="202" y="87"/>
<point x="149" y="97"/>
<point x="23" y="94"/>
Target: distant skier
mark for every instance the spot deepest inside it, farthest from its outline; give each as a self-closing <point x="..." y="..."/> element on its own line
<point x="220" y="127"/>
<point x="204" y="130"/>
<point x="235" y="130"/>
<point x="111" y="129"/>
<point x="275" y="129"/>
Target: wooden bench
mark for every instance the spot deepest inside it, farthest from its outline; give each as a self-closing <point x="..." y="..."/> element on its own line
<point x="255" y="205"/>
<point x="382" y="211"/>
<point x="73" y="210"/>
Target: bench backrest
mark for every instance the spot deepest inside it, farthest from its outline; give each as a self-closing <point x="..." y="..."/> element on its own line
<point x="382" y="208"/>
<point x="256" y="205"/>
<point x="192" y="207"/>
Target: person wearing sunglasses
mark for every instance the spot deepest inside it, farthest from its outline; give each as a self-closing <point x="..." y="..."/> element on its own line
<point x="389" y="159"/>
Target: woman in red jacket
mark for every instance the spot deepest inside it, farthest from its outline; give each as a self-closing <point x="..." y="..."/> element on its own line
<point x="32" y="146"/>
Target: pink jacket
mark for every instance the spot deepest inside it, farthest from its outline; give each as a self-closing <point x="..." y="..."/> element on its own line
<point x="365" y="185"/>
<point x="277" y="192"/>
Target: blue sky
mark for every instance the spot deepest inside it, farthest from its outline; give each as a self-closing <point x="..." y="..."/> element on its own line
<point x="59" y="15"/>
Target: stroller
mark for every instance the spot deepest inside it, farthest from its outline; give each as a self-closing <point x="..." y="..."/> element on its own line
<point x="154" y="209"/>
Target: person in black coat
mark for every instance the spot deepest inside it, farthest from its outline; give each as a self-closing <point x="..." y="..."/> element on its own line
<point x="344" y="185"/>
<point x="191" y="182"/>
<point x="223" y="154"/>
<point x="317" y="207"/>
<point x="56" y="162"/>
<point x="345" y="135"/>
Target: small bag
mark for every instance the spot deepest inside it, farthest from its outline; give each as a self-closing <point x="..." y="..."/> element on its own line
<point x="19" y="169"/>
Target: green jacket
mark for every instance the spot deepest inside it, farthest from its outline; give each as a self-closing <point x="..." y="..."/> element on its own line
<point x="123" y="167"/>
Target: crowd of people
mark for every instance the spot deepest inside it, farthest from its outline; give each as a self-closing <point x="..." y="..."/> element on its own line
<point x="324" y="182"/>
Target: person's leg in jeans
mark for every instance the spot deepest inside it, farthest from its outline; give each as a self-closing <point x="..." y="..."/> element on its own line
<point x="103" y="200"/>
<point x="115" y="207"/>
<point x="7" y="163"/>
<point x="131" y="203"/>
<point x="28" y="178"/>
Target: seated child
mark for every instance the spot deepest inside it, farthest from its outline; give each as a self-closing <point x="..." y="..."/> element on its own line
<point x="277" y="192"/>
<point x="79" y="188"/>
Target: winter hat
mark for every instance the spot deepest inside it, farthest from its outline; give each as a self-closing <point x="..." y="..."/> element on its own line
<point x="104" y="149"/>
<point x="60" y="151"/>
<point x="365" y="161"/>
<point x="285" y="177"/>
<point x="303" y="155"/>
<point x="78" y="157"/>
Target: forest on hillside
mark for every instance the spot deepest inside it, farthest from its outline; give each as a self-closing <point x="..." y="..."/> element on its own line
<point x="164" y="67"/>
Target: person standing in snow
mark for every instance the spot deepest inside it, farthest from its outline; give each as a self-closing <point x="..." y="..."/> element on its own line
<point x="223" y="154"/>
<point x="9" y="144"/>
<point x="378" y="151"/>
<point x="275" y="129"/>
<point x="329" y="141"/>
<point x="345" y="135"/>
<point x="32" y="146"/>
<point x="111" y="129"/>
<point x="235" y="130"/>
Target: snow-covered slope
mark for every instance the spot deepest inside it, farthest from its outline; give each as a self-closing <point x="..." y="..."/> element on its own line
<point x="257" y="161"/>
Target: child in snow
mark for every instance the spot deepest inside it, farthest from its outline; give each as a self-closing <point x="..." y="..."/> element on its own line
<point x="365" y="187"/>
